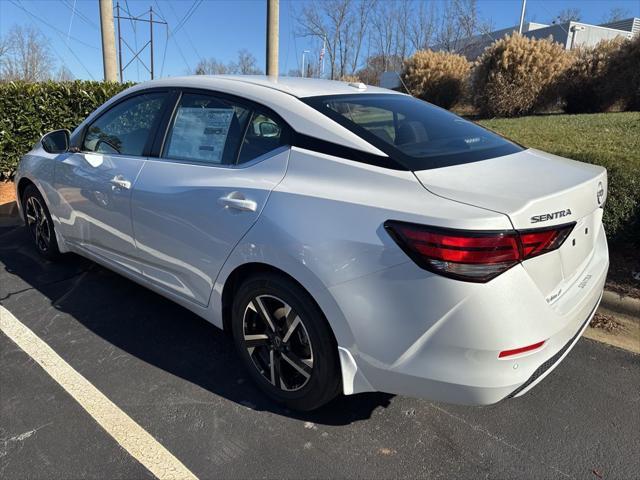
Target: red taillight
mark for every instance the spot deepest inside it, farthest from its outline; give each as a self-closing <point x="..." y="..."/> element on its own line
<point x="473" y="256"/>
<point x="518" y="351"/>
<point x="537" y="242"/>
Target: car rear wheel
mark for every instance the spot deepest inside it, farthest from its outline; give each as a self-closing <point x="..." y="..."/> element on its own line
<point x="39" y="223"/>
<point x="285" y="342"/>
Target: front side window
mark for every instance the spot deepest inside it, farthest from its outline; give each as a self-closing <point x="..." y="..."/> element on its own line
<point x="415" y="133"/>
<point x="125" y="128"/>
<point x="206" y="129"/>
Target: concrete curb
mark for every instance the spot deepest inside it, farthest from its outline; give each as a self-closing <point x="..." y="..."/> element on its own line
<point x="620" y="304"/>
<point x="9" y="209"/>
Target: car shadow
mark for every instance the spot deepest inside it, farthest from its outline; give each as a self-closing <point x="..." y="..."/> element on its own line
<point x="154" y="329"/>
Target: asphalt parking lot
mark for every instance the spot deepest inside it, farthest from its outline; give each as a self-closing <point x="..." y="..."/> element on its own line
<point x="180" y="380"/>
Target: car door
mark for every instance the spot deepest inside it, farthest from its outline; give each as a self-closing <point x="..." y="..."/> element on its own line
<point x="94" y="184"/>
<point x="191" y="205"/>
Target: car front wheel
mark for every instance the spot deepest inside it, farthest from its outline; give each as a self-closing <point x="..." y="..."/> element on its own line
<point x="285" y="342"/>
<point x="39" y="223"/>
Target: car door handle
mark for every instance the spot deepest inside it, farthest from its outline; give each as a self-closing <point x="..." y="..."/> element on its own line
<point x="120" y="182"/>
<point x="237" y="201"/>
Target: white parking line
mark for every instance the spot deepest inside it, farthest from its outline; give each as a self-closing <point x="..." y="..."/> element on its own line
<point x="131" y="436"/>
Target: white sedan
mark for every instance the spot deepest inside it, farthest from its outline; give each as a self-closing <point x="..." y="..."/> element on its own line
<point x="349" y="238"/>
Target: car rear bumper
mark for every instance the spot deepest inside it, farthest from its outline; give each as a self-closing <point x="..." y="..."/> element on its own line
<point x="423" y="335"/>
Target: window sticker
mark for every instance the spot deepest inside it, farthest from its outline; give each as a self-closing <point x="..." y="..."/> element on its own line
<point x="200" y="133"/>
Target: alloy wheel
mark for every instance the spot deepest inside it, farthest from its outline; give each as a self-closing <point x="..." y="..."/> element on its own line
<point x="38" y="223"/>
<point x="278" y="342"/>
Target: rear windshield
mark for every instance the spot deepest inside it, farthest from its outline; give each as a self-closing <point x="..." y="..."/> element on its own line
<point x="415" y="133"/>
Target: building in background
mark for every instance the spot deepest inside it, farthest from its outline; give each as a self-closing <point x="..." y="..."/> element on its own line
<point x="570" y="34"/>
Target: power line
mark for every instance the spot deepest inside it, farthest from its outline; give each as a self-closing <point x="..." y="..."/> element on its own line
<point x="166" y="40"/>
<point x="58" y="33"/>
<point x="190" y="12"/>
<point x="51" y="26"/>
<point x="175" y="40"/>
<point x="73" y="13"/>
<point x="79" y="14"/>
<point x="135" y="37"/>
<point x="186" y="32"/>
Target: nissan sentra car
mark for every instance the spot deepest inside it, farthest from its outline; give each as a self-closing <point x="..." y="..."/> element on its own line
<point x="349" y="238"/>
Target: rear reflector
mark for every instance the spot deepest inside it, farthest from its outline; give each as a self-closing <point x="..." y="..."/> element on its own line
<point x="517" y="351"/>
<point x="474" y="256"/>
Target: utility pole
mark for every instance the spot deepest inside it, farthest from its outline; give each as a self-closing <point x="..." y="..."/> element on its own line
<point x="304" y="54"/>
<point x="273" y="27"/>
<point x="322" y="52"/>
<point x="119" y="42"/>
<point x="136" y="54"/>
<point x="151" y="37"/>
<point x="108" y="41"/>
<point x="524" y="6"/>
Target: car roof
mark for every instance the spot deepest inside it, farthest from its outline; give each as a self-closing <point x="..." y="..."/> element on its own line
<point x="308" y="87"/>
<point x="296" y="86"/>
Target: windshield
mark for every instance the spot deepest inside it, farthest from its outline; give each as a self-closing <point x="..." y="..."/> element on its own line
<point x="417" y="134"/>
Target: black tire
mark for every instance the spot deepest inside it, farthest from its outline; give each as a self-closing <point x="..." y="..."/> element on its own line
<point x="318" y="355"/>
<point x="38" y="221"/>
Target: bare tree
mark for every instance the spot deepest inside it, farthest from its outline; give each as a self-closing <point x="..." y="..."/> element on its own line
<point x="5" y="49"/>
<point x="64" y="74"/>
<point x="616" y="14"/>
<point x="392" y="35"/>
<point x="466" y="12"/>
<point x="343" y="25"/>
<point x="422" y="27"/>
<point x="247" y="64"/>
<point x="568" y="15"/>
<point x="403" y="14"/>
<point x="383" y="32"/>
<point x="448" y="34"/>
<point x="458" y="25"/>
<point x="365" y="9"/>
<point x="376" y="65"/>
<point x="25" y="55"/>
<point x="211" y="66"/>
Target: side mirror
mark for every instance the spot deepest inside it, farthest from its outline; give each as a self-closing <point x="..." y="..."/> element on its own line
<point x="56" y="141"/>
<point x="268" y="129"/>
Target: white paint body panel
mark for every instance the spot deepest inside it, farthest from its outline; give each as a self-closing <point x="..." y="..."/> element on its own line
<point x="319" y="218"/>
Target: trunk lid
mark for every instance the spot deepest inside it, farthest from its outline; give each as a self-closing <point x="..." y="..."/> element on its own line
<point x="535" y="190"/>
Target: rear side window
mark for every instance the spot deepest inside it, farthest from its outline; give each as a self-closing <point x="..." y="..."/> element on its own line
<point x="206" y="129"/>
<point x="215" y="130"/>
<point x="125" y="128"/>
<point x="415" y="133"/>
<point x="263" y="135"/>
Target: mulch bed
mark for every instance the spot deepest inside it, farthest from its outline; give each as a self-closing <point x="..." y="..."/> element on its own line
<point x="606" y="322"/>
<point x="7" y="193"/>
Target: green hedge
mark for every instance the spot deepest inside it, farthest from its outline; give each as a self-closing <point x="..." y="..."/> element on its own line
<point x="608" y="139"/>
<point x="29" y="110"/>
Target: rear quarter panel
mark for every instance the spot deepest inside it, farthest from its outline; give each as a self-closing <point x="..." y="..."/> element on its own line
<point x="323" y="225"/>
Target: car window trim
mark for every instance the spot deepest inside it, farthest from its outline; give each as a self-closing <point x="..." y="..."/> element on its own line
<point x="151" y="137"/>
<point x="244" y="135"/>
